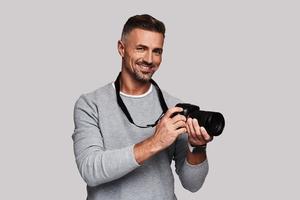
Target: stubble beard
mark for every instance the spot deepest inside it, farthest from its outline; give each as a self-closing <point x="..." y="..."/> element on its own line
<point x="143" y="76"/>
<point x="140" y="76"/>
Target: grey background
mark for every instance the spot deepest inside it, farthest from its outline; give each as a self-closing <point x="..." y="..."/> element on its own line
<point x="236" y="57"/>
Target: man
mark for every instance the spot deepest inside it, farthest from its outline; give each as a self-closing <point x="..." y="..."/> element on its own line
<point x="119" y="153"/>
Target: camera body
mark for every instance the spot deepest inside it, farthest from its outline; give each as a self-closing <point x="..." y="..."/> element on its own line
<point x="213" y="122"/>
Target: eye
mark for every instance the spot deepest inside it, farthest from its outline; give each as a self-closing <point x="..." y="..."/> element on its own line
<point x="158" y="51"/>
<point x="141" y="49"/>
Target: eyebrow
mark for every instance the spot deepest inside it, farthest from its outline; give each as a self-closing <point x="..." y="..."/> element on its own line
<point x="144" y="46"/>
<point x="141" y="45"/>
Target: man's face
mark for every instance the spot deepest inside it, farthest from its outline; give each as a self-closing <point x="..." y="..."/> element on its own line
<point x="141" y="51"/>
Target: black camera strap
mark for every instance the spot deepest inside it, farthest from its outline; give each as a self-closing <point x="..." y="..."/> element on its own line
<point x="125" y="110"/>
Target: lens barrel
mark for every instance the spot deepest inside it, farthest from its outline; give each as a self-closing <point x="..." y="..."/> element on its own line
<point x="213" y="122"/>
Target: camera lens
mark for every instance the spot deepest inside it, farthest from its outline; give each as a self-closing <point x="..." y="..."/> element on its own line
<point x="213" y="122"/>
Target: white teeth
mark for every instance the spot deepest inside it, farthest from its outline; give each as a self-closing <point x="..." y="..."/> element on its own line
<point x="145" y="66"/>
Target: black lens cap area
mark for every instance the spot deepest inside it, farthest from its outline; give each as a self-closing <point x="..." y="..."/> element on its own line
<point x="216" y="124"/>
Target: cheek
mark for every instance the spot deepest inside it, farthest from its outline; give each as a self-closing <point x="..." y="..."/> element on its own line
<point x="134" y="57"/>
<point x="130" y="59"/>
<point x="137" y="59"/>
<point x="157" y="60"/>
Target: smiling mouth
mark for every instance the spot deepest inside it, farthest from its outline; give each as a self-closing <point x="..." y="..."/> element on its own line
<point x="146" y="68"/>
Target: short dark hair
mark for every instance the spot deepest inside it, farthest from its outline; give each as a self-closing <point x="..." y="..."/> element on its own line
<point x="145" y="22"/>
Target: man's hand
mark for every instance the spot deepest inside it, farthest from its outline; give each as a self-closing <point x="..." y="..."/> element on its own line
<point x="168" y="129"/>
<point x="166" y="132"/>
<point x="197" y="135"/>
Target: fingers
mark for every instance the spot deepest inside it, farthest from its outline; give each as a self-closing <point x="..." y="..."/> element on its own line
<point x="197" y="132"/>
<point x="191" y="128"/>
<point x="179" y="124"/>
<point x="172" y="110"/>
<point x="181" y="130"/>
<point x="178" y="118"/>
<point x="187" y="127"/>
<point x="205" y="135"/>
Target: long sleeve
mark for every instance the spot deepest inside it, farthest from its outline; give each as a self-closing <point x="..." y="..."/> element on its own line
<point x="191" y="177"/>
<point x="96" y="164"/>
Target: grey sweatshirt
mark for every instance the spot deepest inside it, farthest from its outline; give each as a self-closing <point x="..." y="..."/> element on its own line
<point x="103" y="145"/>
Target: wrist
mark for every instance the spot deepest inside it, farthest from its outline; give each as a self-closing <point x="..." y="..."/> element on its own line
<point x="197" y="148"/>
<point x="145" y="149"/>
<point x="154" y="145"/>
<point x="196" y="155"/>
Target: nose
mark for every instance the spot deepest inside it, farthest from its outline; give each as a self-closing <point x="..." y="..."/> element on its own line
<point x="148" y="57"/>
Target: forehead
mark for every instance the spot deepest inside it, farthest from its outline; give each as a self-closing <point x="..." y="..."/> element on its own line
<point x="144" y="37"/>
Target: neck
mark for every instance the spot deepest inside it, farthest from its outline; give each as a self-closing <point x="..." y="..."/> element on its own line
<point x="133" y="87"/>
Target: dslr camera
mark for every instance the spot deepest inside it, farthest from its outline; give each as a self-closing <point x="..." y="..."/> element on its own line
<point x="213" y="122"/>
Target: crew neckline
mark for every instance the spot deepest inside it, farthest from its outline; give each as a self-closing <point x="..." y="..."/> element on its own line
<point x="135" y="96"/>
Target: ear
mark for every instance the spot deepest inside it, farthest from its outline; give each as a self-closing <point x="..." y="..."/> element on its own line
<point x="121" y="48"/>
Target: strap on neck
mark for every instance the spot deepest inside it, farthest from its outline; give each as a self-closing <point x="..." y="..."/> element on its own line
<point x="125" y="110"/>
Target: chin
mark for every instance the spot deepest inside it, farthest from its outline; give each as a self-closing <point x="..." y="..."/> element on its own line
<point x="144" y="78"/>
